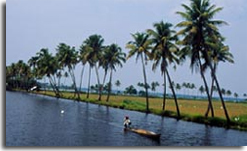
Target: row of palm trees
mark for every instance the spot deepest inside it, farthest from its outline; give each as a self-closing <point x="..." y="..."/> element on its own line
<point x="198" y="39"/>
<point x="92" y="52"/>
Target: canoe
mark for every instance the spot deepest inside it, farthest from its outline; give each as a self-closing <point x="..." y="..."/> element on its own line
<point x="143" y="132"/>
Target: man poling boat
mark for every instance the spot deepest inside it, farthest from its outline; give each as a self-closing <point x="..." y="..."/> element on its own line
<point x="143" y="132"/>
<point x="127" y="122"/>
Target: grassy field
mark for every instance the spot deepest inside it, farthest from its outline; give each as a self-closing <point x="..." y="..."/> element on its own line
<point x="190" y="110"/>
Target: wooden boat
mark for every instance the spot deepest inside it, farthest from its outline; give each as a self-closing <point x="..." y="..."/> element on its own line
<point x="143" y="132"/>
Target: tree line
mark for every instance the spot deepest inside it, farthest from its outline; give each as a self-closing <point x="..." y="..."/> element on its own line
<point x="198" y="40"/>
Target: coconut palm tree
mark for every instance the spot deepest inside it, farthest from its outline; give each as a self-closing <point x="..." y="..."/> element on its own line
<point x="220" y="53"/>
<point x="236" y="96"/>
<point x="86" y="58"/>
<point x="83" y="62"/>
<point x="117" y="83"/>
<point x="201" y="89"/>
<point x="66" y="75"/>
<point x="59" y="76"/>
<point x="112" y="57"/>
<point x="93" y="47"/>
<point x="198" y="27"/>
<point x="178" y="87"/>
<point x="154" y="85"/>
<point x="47" y="66"/>
<point x="164" y="53"/>
<point x="140" y="46"/>
<point x="228" y="92"/>
<point x="32" y="62"/>
<point x="67" y="57"/>
<point x="244" y="95"/>
<point x="130" y="90"/>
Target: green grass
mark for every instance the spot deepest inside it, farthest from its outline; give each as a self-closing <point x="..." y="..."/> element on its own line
<point x="129" y="104"/>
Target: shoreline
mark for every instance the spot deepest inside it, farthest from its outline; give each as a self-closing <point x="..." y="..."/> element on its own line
<point x="209" y="121"/>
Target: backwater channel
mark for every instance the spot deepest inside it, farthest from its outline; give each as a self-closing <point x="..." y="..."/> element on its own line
<point x="37" y="120"/>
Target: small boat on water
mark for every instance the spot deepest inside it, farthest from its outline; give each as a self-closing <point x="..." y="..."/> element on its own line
<point x="143" y="132"/>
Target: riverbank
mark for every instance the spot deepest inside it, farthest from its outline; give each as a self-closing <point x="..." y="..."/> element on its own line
<point x="190" y="110"/>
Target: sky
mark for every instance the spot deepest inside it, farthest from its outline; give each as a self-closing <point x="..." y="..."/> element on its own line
<point x="35" y="24"/>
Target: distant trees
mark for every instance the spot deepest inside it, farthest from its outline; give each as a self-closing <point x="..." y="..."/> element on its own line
<point x="130" y="90"/>
<point x="19" y="75"/>
<point x="154" y="84"/>
<point x="117" y="83"/>
<point x="236" y="95"/>
<point x="201" y="89"/>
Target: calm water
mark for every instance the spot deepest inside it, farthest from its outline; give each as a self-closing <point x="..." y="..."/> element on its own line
<point x="33" y="120"/>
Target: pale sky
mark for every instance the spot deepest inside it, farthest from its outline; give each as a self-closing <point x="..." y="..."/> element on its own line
<point x="35" y="24"/>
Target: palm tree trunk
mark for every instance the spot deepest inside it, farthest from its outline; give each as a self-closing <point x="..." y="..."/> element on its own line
<point x="100" y="89"/>
<point x="104" y="79"/>
<point x="211" y="92"/>
<point x="76" y="90"/>
<point x="220" y="94"/>
<point x="54" y="87"/>
<point x="173" y="92"/>
<point x="109" y="88"/>
<point x="89" y="78"/>
<point x="59" y="78"/>
<point x="164" y="95"/>
<point x="45" y="84"/>
<point x="82" y="71"/>
<point x="145" y="81"/>
<point x="206" y="88"/>
<point x="72" y="75"/>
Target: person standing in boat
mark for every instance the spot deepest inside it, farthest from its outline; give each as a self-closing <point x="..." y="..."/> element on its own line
<point x="127" y="122"/>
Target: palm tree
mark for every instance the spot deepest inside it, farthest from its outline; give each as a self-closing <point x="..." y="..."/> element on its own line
<point x="140" y="46"/>
<point x="192" y="86"/>
<point x="59" y="76"/>
<point x="154" y="85"/>
<point x="83" y="61"/>
<point x="220" y="53"/>
<point x="228" y="92"/>
<point x="185" y="86"/>
<point x="130" y="90"/>
<point x="32" y="62"/>
<point x="112" y="57"/>
<point x="201" y="89"/>
<point x="67" y="57"/>
<point x="198" y="27"/>
<point x="47" y="65"/>
<point x="236" y="96"/>
<point x="93" y="47"/>
<point x="117" y="83"/>
<point x="86" y="57"/>
<point x="163" y="54"/>
<point x="66" y="75"/>
<point x="244" y="95"/>
<point x="178" y="87"/>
